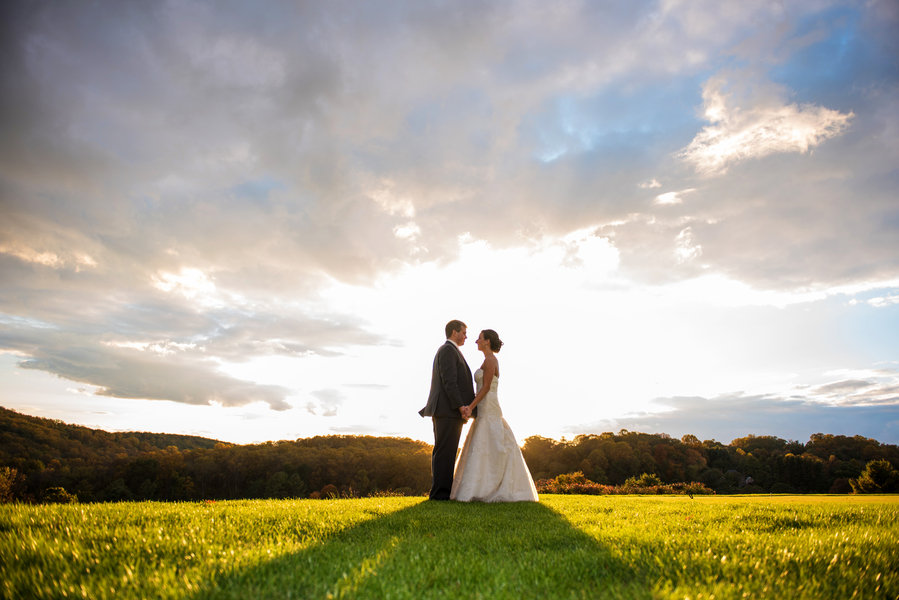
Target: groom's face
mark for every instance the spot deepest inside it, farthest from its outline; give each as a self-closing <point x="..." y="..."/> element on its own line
<point x="460" y="336"/>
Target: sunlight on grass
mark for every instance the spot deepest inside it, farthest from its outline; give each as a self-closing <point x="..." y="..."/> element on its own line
<point x="563" y="547"/>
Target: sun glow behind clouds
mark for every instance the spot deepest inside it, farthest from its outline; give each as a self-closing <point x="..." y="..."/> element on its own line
<point x="163" y="232"/>
<point x="189" y="282"/>
<point x="583" y="344"/>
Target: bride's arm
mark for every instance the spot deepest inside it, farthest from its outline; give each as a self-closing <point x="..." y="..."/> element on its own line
<point x="489" y="374"/>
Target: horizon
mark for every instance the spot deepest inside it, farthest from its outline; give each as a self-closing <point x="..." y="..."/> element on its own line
<point x="252" y="224"/>
<point x="562" y="440"/>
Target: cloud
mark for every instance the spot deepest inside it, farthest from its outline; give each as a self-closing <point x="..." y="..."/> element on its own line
<point x="871" y="388"/>
<point x="671" y="197"/>
<point x="731" y="416"/>
<point x="686" y="249"/>
<point x="47" y="258"/>
<point x="740" y="133"/>
<point x="327" y="404"/>
<point x="180" y="183"/>
<point x="144" y="345"/>
<point x="867" y="404"/>
<point x="125" y="372"/>
<point x="842" y="387"/>
<point x="883" y="301"/>
<point x="274" y="160"/>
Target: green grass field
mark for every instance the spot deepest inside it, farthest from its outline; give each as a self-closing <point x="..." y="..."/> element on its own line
<point x="564" y="547"/>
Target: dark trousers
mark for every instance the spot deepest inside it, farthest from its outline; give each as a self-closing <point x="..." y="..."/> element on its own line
<point x="447" y="431"/>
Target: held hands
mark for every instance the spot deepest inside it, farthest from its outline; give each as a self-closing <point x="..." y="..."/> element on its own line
<point x="466" y="412"/>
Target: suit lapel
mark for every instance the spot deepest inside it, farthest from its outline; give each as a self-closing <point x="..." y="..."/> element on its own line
<point x="458" y="351"/>
<point x="464" y="362"/>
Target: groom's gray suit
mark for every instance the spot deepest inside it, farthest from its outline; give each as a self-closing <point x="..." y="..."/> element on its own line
<point x="451" y="389"/>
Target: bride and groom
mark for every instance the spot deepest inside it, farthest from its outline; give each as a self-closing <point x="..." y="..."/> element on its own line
<point x="490" y="467"/>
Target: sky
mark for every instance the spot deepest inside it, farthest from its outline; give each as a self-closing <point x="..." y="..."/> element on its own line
<point x="251" y="222"/>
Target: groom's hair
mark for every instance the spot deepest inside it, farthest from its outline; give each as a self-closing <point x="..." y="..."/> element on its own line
<point x="454" y="325"/>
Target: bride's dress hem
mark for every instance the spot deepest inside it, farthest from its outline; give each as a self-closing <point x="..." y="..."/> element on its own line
<point x="490" y="467"/>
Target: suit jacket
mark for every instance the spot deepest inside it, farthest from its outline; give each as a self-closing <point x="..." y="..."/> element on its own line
<point x="451" y="384"/>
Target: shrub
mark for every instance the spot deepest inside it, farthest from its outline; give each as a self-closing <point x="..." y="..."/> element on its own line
<point x="58" y="495"/>
<point x="878" y="476"/>
<point x="329" y="492"/>
<point x="572" y="483"/>
<point x="644" y="480"/>
<point x="577" y="483"/>
<point x="694" y="487"/>
<point x="8" y="479"/>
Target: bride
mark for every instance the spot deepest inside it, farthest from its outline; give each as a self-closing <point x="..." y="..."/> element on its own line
<point x="491" y="467"/>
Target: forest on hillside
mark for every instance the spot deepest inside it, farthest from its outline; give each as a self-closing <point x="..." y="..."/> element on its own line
<point x="43" y="459"/>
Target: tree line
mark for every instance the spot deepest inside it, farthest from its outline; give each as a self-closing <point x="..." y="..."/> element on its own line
<point x="48" y="460"/>
<point x="752" y="464"/>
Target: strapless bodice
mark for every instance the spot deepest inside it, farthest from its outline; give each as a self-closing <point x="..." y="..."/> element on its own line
<point x="489" y="405"/>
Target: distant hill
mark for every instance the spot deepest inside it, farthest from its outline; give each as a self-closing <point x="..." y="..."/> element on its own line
<point x="99" y="465"/>
<point x="26" y="440"/>
<point x="40" y="456"/>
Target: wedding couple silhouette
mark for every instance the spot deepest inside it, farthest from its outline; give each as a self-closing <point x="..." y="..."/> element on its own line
<point x="490" y="467"/>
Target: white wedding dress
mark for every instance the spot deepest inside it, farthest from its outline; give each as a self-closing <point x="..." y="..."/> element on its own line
<point x="490" y="467"/>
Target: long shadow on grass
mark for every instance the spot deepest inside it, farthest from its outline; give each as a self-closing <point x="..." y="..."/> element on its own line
<point x="442" y="549"/>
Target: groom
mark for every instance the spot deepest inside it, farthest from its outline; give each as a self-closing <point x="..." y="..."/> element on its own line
<point x="451" y="393"/>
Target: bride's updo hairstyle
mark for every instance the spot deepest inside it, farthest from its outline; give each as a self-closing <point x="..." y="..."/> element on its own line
<point x="492" y="337"/>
